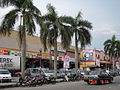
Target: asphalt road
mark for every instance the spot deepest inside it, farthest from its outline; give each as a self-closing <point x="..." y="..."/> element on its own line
<point x="80" y="85"/>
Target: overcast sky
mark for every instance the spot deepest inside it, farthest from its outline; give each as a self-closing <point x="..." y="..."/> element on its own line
<point x="103" y="14"/>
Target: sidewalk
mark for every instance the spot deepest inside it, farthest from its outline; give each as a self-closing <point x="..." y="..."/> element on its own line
<point x="14" y="83"/>
<point x="9" y="84"/>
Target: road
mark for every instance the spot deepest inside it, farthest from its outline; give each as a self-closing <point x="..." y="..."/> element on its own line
<point x="79" y="85"/>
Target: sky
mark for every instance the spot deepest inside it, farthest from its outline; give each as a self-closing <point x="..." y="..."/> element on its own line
<point x="103" y="14"/>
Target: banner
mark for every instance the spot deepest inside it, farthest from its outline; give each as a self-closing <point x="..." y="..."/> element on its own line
<point x="66" y="61"/>
<point x="87" y="56"/>
<point x="9" y="62"/>
<point x="98" y="62"/>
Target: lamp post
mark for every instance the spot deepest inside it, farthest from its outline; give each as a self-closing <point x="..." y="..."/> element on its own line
<point x="40" y="50"/>
<point x="85" y="60"/>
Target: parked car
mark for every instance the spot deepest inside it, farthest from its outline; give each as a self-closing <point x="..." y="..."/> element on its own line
<point x="47" y="72"/>
<point x="118" y="71"/>
<point x="98" y="77"/>
<point x="5" y="75"/>
<point x="18" y="73"/>
<point x="82" y="72"/>
<point x="34" y="71"/>
<point x="49" y="75"/>
<point x="111" y="72"/>
<point x="62" y="73"/>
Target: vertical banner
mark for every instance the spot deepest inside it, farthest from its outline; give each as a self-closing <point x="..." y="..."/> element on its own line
<point x="66" y="61"/>
<point x="117" y="65"/>
<point x="98" y="62"/>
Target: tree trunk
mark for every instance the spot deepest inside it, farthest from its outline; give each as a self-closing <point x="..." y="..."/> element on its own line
<point x="55" y="58"/>
<point x="51" y="65"/>
<point x="23" y="57"/>
<point x="113" y="66"/>
<point x="23" y="48"/>
<point x="76" y="52"/>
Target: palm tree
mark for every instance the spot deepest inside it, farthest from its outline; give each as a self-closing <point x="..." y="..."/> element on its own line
<point x="81" y="32"/>
<point x="54" y="29"/>
<point x="28" y="15"/>
<point x="112" y="48"/>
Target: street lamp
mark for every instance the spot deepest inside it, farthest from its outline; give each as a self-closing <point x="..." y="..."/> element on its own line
<point x="40" y="50"/>
<point x="85" y="60"/>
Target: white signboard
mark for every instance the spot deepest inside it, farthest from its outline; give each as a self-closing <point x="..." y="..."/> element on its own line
<point x="9" y="62"/>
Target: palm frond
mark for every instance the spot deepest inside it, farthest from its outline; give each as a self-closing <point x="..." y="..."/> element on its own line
<point x="107" y="42"/>
<point x="85" y="24"/>
<point x="4" y="3"/>
<point x="29" y="23"/>
<point x="79" y="16"/>
<point x="67" y="20"/>
<point x="84" y="37"/>
<point x="66" y="36"/>
<point x="9" y="21"/>
<point x="112" y="47"/>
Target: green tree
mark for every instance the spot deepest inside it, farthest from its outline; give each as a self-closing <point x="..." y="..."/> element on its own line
<point x="112" y="48"/>
<point x="28" y="15"/>
<point x="82" y="35"/>
<point x="53" y="29"/>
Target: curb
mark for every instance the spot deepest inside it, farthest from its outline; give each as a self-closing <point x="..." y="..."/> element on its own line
<point x="8" y="86"/>
<point x="11" y="85"/>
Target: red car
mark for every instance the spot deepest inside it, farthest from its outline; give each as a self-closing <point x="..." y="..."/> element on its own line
<point x="18" y="73"/>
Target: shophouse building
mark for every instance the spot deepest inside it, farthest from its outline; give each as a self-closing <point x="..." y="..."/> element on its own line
<point x="35" y="55"/>
<point x="94" y="58"/>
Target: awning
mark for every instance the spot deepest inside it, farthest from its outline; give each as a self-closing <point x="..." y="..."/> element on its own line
<point x="107" y="62"/>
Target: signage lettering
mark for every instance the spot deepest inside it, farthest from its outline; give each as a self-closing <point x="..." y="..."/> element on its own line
<point x="5" y="60"/>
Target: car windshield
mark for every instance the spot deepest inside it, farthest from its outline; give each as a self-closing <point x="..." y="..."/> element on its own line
<point x="35" y="71"/>
<point x="48" y="71"/>
<point x="66" y="71"/>
<point x="94" y="73"/>
<point x="4" y="72"/>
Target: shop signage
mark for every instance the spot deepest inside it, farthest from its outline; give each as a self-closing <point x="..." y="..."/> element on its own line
<point x="87" y="56"/>
<point x="9" y="62"/>
<point x="71" y="59"/>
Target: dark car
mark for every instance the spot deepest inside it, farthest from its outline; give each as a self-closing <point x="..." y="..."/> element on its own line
<point x="98" y="77"/>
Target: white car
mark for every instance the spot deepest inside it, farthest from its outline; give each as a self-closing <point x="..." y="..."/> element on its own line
<point x="5" y="75"/>
<point x="48" y="73"/>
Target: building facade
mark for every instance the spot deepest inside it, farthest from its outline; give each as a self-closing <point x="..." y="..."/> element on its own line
<point x="92" y="58"/>
<point x="35" y="55"/>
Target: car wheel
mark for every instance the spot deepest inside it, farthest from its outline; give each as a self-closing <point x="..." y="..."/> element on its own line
<point x="111" y="81"/>
<point x="102" y="82"/>
<point x="10" y="80"/>
<point x="98" y="82"/>
<point x="88" y="83"/>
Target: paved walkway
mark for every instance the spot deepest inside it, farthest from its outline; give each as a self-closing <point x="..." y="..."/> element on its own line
<point x="14" y="83"/>
<point x="9" y="84"/>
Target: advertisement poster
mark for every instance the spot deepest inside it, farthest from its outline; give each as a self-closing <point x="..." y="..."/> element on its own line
<point x="9" y="62"/>
<point x="66" y="61"/>
<point x="98" y="62"/>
